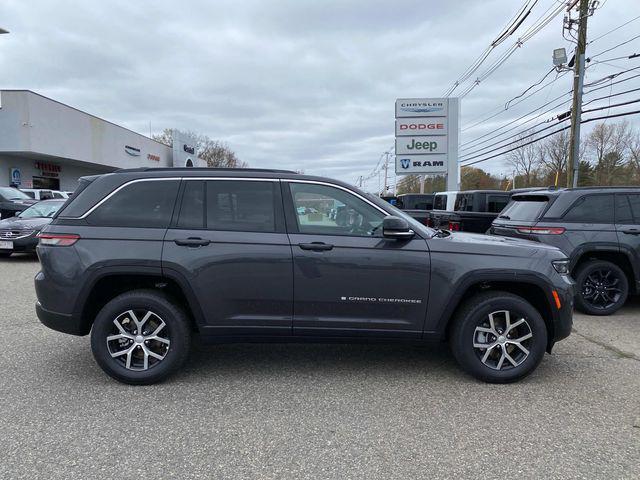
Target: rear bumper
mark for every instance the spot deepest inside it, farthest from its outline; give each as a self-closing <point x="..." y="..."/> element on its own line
<point x="61" y="322"/>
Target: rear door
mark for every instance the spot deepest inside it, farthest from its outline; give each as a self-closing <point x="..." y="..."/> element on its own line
<point x="628" y="226"/>
<point x="228" y="242"/>
<point x="348" y="279"/>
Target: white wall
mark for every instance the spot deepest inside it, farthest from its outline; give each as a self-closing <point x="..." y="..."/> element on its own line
<point x="32" y="123"/>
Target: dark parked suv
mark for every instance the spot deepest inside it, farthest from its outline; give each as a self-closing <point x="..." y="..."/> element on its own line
<point x="597" y="228"/>
<point x="144" y="259"/>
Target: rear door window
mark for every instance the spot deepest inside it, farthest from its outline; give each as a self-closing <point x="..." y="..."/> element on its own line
<point x="241" y="205"/>
<point x="591" y="209"/>
<point x="526" y="209"/>
<point x="627" y="209"/>
<point x="144" y="204"/>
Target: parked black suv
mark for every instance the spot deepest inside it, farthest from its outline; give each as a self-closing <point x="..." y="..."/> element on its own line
<point x="597" y="228"/>
<point x="145" y="258"/>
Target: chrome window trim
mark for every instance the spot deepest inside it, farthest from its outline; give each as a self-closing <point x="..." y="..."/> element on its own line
<point x="138" y="180"/>
<point x="328" y="184"/>
<point x="90" y="211"/>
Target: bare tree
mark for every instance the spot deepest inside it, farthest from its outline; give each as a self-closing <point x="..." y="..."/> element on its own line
<point x="526" y="158"/>
<point x="634" y="154"/>
<point x="608" y="144"/>
<point x="556" y="155"/>
<point x="214" y="152"/>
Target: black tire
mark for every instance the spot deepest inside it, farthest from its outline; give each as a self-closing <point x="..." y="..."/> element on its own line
<point x="176" y="330"/>
<point x="589" y="298"/>
<point x="474" y="313"/>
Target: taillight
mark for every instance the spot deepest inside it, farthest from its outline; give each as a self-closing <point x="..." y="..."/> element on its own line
<point x="58" y="240"/>
<point x="454" y="226"/>
<point x="541" y="230"/>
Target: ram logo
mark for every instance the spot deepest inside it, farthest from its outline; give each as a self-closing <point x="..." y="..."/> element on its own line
<point x="405" y="163"/>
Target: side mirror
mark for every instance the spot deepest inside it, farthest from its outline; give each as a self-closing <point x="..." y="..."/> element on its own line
<point x="396" y="227"/>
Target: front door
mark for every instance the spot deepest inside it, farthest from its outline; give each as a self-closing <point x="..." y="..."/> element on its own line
<point x="228" y="242"/>
<point x="348" y="278"/>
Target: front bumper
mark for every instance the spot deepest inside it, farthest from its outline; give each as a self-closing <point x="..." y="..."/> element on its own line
<point x="562" y="317"/>
<point x="23" y="244"/>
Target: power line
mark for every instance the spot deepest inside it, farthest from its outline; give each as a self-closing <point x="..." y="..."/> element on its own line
<point x="519" y="136"/>
<point x="613" y="30"/>
<point x="507" y="31"/>
<point x="503" y="109"/>
<point x="615" y="46"/>
<point x="540" y="23"/>
<point x="604" y="117"/>
<point x="494" y="134"/>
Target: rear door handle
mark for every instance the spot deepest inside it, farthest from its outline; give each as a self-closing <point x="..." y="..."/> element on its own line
<point x="315" y="246"/>
<point x="632" y="231"/>
<point x="192" y="242"/>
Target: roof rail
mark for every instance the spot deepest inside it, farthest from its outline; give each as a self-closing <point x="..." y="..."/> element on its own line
<point x="204" y="169"/>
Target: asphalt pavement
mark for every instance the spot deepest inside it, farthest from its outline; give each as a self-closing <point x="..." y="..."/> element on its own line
<point x="314" y="411"/>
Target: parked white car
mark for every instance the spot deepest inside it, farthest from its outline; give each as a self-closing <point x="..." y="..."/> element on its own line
<point x="44" y="194"/>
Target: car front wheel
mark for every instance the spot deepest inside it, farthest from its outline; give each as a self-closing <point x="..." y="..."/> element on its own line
<point x="140" y="337"/>
<point x="602" y="287"/>
<point x="498" y="337"/>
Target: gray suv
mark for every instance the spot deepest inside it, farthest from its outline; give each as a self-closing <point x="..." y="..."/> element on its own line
<point x="598" y="228"/>
<point x="145" y="259"/>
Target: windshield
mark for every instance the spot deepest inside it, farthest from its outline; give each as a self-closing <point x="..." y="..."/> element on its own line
<point x="42" y="210"/>
<point x="526" y="209"/>
<point x="9" y="193"/>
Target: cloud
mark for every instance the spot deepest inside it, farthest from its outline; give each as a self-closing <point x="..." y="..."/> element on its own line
<point x="296" y="84"/>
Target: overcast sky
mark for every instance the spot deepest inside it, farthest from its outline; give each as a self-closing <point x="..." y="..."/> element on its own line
<point x="299" y="84"/>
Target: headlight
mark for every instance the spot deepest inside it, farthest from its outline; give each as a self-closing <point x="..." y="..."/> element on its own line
<point x="561" y="266"/>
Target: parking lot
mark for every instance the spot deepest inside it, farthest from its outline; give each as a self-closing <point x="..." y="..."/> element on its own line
<point x="314" y="411"/>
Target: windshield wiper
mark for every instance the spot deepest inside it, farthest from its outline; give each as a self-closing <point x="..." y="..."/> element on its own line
<point x="441" y="233"/>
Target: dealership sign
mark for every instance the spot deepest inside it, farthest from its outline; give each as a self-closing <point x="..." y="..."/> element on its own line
<point x="427" y="137"/>
<point x="421" y="126"/>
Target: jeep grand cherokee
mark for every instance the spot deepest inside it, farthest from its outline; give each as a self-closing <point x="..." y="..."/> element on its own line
<point x="145" y="259"/>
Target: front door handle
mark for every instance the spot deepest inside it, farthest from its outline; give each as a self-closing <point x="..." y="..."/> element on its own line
<point x="192" y="242"/>
<point x="315" y="246"/>
<point x="632" y="231"/>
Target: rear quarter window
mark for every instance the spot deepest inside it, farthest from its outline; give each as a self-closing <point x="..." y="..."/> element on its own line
<point x="526" y="209"/>
<point x="145" y="204"/>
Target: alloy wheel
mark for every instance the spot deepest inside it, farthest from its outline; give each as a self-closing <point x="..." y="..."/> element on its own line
<point x="501" y="343"/>
<point x="139" y="339"/>
<point x="601" y="289"/>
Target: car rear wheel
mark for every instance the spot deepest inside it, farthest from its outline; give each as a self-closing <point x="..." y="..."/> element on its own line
<point x="140" y="337"/>
<point x="498" y="337"/>
<point x="602" y="287"/>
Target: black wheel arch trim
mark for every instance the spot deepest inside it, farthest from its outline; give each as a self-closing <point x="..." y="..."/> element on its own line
<point x="484" y="276"/>
<point x="134" y="270"/>
<point x="595" y="248"/>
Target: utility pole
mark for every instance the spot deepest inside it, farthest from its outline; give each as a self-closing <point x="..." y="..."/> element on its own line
<point x="576" y="111"/>
<point x="386" y="167"/>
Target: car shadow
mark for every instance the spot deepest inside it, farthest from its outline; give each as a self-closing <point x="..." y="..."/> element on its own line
<point x="231" y="360"/>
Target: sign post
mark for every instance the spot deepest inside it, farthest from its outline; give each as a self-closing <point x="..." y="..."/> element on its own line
<point x="427" y="136"/>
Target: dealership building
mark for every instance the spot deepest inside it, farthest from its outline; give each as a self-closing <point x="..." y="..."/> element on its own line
<point x="47" y="144"/>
